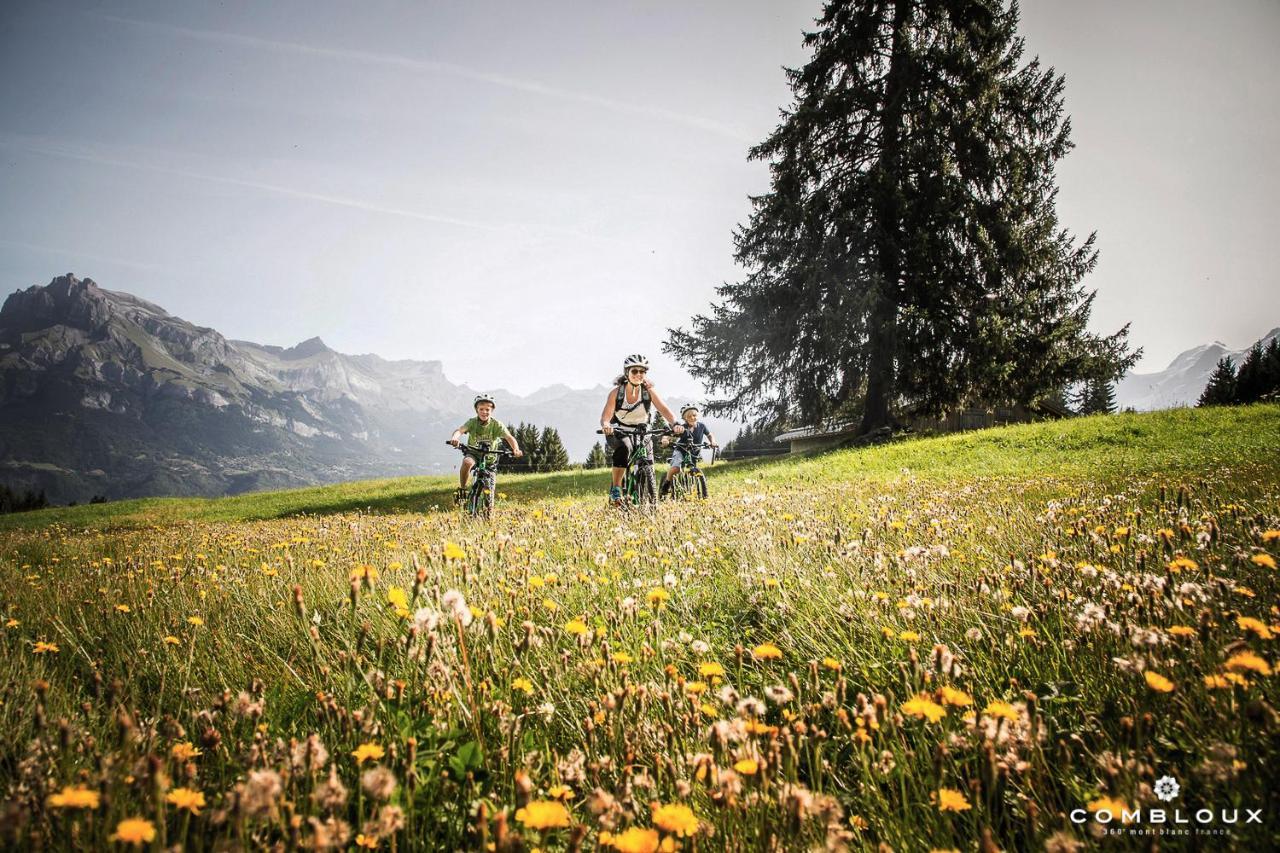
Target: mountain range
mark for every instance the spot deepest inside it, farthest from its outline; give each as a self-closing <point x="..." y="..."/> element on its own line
<point x="1181" y="383"/>
<point x="104" y="393"/>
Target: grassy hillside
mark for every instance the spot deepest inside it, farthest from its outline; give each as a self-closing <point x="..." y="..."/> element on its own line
<point x="919" y="645"/>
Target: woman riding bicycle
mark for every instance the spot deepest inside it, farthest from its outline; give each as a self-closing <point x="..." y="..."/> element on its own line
<point x="628" y="406"/>
<point x="688" y="448"/>
<point x="482" y="428"/>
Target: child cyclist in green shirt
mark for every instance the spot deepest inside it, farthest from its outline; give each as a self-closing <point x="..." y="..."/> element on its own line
<point x="482" y="428"/>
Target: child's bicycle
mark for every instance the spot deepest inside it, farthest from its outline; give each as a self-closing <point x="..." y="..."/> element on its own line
<point x="478" y="500"/>
<point x="638" y="487"/>
<point x="689" y="483"/>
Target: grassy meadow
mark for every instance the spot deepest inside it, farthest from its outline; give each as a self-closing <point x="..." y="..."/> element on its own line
<point x="946" y="643"/>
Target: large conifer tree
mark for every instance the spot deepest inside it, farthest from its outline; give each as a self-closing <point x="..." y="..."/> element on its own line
<point x="908" y="255"/>
<point x="1220" y="390"/>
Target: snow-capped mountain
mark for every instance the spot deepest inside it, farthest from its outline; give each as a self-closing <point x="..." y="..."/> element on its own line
<point x="1181" y="383"/>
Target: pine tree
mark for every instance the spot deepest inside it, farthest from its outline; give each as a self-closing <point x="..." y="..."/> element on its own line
<point x="1098" y="397"/>
<point x="596" y="458"/>
<point x="1271" y="370"/>
<point x="551" y="453"/>
<point x="1221" y="388"/>
<point x="908" y="256"/>
<point x="526" y="435"/>
<point x="1250" y="380"/>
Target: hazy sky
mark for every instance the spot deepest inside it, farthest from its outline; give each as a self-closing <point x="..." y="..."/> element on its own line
<point x="371" y="172"/>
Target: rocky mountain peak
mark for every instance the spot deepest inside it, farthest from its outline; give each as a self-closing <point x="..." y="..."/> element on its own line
<point x="66" y="301"/>
<point x="308" y="348"/>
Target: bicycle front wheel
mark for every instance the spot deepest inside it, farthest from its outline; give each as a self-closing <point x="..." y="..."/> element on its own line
<point x="646" y="493"/>
<point x="700" y="485"/>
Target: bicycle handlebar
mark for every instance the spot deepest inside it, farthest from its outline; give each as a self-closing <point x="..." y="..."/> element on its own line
<point x="501" y="451"/>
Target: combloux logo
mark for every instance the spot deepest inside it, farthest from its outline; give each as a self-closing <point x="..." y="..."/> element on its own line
<point x="1166" y="788"/>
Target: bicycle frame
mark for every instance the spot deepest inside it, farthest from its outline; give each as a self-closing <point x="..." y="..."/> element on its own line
<point x="482" y="494"/>
<point x="638" y="487"/>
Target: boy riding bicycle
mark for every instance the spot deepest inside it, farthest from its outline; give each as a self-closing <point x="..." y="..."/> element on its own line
<point x="628" y="406"/>
<point x="483" y="428"/>
<point x="688" y="447"/>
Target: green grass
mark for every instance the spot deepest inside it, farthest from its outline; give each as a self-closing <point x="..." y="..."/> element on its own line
<point x="1116" y="445"/>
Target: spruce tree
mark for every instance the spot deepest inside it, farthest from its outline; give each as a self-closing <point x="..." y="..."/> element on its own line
<point x="596" y="458"/>
<point x="551" y="453"/>
<point x="1271" y="370"/>
<point x="1221" y="388"/>
<point x="908" y="255"/>
<point x="1250" y="381"/>
<point x="526" y="435"/>
<point x="1098" y="398"/>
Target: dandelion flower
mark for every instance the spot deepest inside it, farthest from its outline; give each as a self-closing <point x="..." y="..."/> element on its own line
<point x="675" y="818"/>
<point x="1270" y="536"/>
<point x="909" y="636"/>
<point x="1257" y="626"/>
<point x="136" y="831"/>
<point x="747" y="766"/>
<point x="621" y="658"/>
<point x="75" y="797"/>
<point x="368" y="751"/>
<point x="951" y="800"/>
<point x="766" y="651"/>
<point x="577" y="627"/>
<point x="195" y="620"/>
<point x="1158" y="682"/>
<point x="184" y="751"/>
<point x="397" y="598"/>
<point x="1117" y="807"/>
<point x="124" y="608"/>
<point x="560" y="792"/>
<point x="1248" y="662"/>
<point x="1265" y="560"/>
<point x="1177" y="564"/>
<point x="634" y="840"/>
<point x="924" y="708"/>
<point x="41" y="647"/>
<point x="186" y="798"/>
<point x="544" y="814"/>
<point x="956" y="698"/>
<point x="831" y="664"/>
<point x="658" y="595"/>
<point x="710" y="669"/>
<point x="996" y="708"/>
<point x="522" y="684"/>
<point x="1182" y="631"/>
<point x="454" y="552"/>
<point x="1216" y="682"/>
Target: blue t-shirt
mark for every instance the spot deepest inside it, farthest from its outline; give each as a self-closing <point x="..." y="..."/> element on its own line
<point x="691" y="437"/>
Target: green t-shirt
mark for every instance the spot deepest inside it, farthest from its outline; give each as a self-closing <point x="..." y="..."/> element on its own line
<point x="491" y="432"/>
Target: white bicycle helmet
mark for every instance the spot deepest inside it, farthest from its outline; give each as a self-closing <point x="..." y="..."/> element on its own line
<point x="483" y="398"/>
<point x="635" y="360"/>
<point x="690" y="407"/>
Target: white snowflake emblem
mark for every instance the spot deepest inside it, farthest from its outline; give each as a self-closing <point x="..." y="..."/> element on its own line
<point x="1166" y="788"/>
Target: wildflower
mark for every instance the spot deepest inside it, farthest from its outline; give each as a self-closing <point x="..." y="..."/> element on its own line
<point x="1158" y="682"/>
<point x="124" y="608"/>
<point x="1117" y="807"/>
<point x="366" y="751"/>
<point x="134" y="830"/>
<point x="621" y="658"/>
<point x="456" y="604"/>
<point x="634" y="840"/>
<point x="369" y="842"/>
<point x="1265" y="560"/>
<point x="778" y="694"/>
<point x="195" y="620"/>
<point x="560" y="792"/>
<point x="951" y="800"/>
<point x="1270" y="536"/>
<point x="909" y="636"/>
<point x="1180" y="563"/>
<point x="956" y="698"/>
<point x="766" y="651"/>
<point x="1182" y="631"/>
<point x="172" y="641"/>
<point x="831" y="664"/>
<point x="658" y="596"/>
<point x="332" y="794"/>
<point x="747" y="766"/>
<point x="923" y="708"/>
<point x="996" y="708"/>
<point x="1248" y="662"/>
<point x="675" y="818"/>
<point x="75" y="797"/>
<point x="1257" y="626"/>
<point x="186" y="798"/>
<point x="397" y="598"/>
<point x="710" y="669"/>
<point x="1216" y="682"/>
<point x="378" y="782"/>
<point x="454" y="552"/>
<point x="184" y="751"/>
<point x="523" y="684"/>
<point x="261" y="791"/>
<point x="577" y="627"/>
<point x="544" y="814"/>
<point x="41" y="647"/>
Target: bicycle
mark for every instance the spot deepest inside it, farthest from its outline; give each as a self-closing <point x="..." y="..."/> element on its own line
<point x="689" y="482"/>
<point x="479" y="499"/>
<point x="638" y="487"/>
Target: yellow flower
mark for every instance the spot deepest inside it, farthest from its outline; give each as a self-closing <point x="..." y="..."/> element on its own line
<point x="710" y="669"/>
<point x="1183" y="631"/>
<point x="560" y="792"/>
<point x="576" y="627"/>
<point x="1158" y="682"/>
<point x="951" y="800"/>
<point x="1263" y="560"/>
<point x="367" y="751"/>
<point x="12" y="623"/>
<point x="747" y="766"/>
<point x="186" y="798"/>
<point x="958" y="698"/>
<point x="1216" y="682"/>
<point x="634" y="840"/>
<point x="909" y="636"/>
<point x="135" y="830"/>
<point x="543" y="814"/>
<point x="184" y="751"/>
<point x="1117" y="807"/>
<point x="621" y="657"/>
<point x="831" y="664"/>
<point x="397" y="598"/>
<point x="195" y="620"/>
<point x="172" y="641"/>
<point x="676" y="818"/>
<point x="924" y="708"/>
<point x="1270" y="536"/>
<point x="1179" y="563"/>
<point x="996" y="708"/>
<point x="766" y="651"/>
<point x="453" y="552"/>
<point x="369" y="842"/>
<point x="123" y="608"/>
<point x="42" y="647"/>
<point x="1248" y="662"/>
<point x="658" y="596"/>
<point x="74" y="797"/>
<point x="523" y="684"/>
<point x="1257" y="626"/>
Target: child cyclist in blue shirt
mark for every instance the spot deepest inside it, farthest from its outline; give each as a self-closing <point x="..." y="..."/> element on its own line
<point x="688" y="447"/>
<point x="482" y="428"/>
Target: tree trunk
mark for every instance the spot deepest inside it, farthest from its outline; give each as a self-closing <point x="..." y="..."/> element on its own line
<point x="883" y="333"/>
